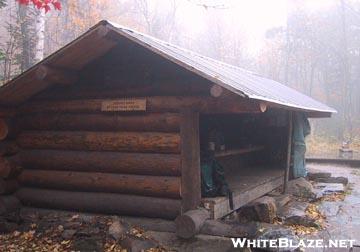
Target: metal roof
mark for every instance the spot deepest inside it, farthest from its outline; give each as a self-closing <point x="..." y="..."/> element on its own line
<point x="235" y="79"/>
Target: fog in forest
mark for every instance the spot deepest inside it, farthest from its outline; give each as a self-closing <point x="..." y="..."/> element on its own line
<point x="310" y="45"/>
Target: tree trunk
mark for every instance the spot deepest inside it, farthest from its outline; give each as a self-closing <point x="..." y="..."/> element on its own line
<point x="40" y="35"/>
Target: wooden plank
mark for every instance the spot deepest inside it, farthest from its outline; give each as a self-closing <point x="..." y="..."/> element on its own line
<point x="110" y="203"/>
<point x="154" y="142"/>
<point x="220" y="206"/>
<point x="190" y="160"/>
<point x="288" y="154"/>
<point x="158" y="186"/>
<point x="238" y="151"/>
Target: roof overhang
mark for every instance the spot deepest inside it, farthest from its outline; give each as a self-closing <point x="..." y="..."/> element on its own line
<point x="104" y="36"/>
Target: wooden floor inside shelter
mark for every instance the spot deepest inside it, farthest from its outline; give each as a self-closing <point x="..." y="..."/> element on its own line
<point x="246" y="184"/>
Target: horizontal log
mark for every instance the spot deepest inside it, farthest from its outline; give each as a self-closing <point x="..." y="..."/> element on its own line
<point x="112" y="162"/>
<point x="9" y="168"/>
<point x="9" y="204"/>
<point x="104" y="141"/>
<point x="8" y="186"/>
<point x="56" y="75"/>
<point x="8" y="148"/>
<point x="153" y="104"/>
<point x="158" y="186"/>
<point x="165" y="122"/>
<point x="109" y="203"/>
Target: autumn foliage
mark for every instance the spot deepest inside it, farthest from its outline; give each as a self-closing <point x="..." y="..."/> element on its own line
<point x="42" y="4"/>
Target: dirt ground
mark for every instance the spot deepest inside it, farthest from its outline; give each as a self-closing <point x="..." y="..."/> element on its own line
<point x="342" y="216"/>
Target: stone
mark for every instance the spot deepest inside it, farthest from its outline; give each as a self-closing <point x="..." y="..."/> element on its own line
<point x="300" y="187"/>
<point x="137" y="244"/>
<point x="263" y="210"/>
<point x="72" y="225"/>
<point x="282" y="200"/>
<point x="329" y="208"/>
<point x="316" y="175"/>
<point x="85" y="218"/>
<point x="117" y="230"/>
<point x="330" y="188"/>
<point x="341" y="180"/>
<point x="88" y="231"/>
<point x="275" y="232"/>
<point x="88" y="244"/>
<point x="68" y="234"/>
<point x="7" y="226"/>
<point x="295" y="213"/>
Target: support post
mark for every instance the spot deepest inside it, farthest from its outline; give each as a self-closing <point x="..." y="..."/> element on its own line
<point x="190" y="160"/>
<point x="288" y="154"/>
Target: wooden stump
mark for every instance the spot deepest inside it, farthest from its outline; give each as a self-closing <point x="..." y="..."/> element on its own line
<point x="190" y="223"/>
<point x="9" y="168"/>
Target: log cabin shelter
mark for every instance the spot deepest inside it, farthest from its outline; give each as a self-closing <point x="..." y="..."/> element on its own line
<point x="117" y="121"/>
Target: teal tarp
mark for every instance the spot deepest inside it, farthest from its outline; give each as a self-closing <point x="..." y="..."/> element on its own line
<point x="301" y="128"/>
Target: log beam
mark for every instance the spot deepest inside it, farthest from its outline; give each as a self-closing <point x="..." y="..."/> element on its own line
<point x="101" y="141"/>
<point x="153" y="104"/>
<point x="190" y="161"/>
<point x="159" y="122"/>
<point x="104" y="161"/>
<point x="158" y="186"/>
<point x="110" y="203"/>
<point x="55" y="75"/>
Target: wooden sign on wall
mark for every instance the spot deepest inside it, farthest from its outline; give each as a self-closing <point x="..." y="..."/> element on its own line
<point x="127" y="104"/>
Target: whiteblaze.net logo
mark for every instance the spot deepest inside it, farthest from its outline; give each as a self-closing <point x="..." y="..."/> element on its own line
<point x="289" y="243"/>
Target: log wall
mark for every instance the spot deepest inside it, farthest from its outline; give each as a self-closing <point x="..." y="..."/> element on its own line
<point x="80" y="156"/>
<point x="76" y="156"/>
<point x="9" y="165"/>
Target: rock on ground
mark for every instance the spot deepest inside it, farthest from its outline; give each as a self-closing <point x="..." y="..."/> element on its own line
<point x="295" y="213"/>
<point x="329" y="188"/>
<point x="137" y="244"/>
<point x="263" y="210"/>
<point x="276" y="232"/>
<point x="300" y="187"/>
<point x="117" y="229"/>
